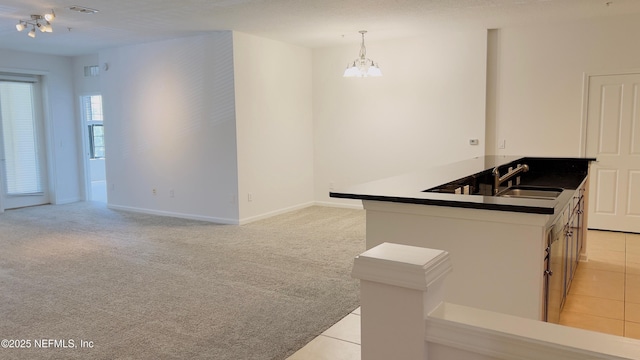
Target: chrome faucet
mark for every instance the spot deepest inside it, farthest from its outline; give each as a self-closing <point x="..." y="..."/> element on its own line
<point x="498" y="180"/>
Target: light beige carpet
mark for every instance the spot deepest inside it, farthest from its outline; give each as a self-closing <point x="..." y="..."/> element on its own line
<point x="146" y="287"/>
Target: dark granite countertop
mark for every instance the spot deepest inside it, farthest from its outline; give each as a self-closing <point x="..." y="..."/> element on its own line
<point x="421" y="187"/>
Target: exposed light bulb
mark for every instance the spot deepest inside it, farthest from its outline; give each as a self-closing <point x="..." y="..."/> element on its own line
<point x="50" y="16"/>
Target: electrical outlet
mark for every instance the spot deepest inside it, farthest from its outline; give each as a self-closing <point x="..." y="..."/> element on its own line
<point x="172" y="193"/>
<point x="331" y="185"/>
<point x="154" y="191"/>
<point x="474" y="141"/>
<point x="249" y="197"/>
<point x="502" y="144"/>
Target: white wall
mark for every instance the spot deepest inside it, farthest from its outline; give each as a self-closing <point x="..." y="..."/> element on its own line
<point x="274" y="125"/>
<point x="539" y="80"/>
<point x="422" y="112"/>
<point x="62" y="134"/>
<point x="170" y="126"/>
<point x="85" y="84"/>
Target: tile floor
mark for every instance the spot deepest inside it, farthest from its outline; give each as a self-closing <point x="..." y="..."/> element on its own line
<point x="339" y="342"/>
<point x="605" y="293"/>
<point x="604" y="297"/>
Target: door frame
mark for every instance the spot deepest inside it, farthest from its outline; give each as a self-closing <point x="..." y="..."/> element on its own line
<point x="87" y="193"/>
<point x="586" y="82"/>
<point x="2" y="156"/>
<point x="47" y="129"/>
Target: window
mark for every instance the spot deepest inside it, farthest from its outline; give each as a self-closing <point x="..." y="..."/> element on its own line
<point x="92" y="112"/>
<point x="92" y="107"/>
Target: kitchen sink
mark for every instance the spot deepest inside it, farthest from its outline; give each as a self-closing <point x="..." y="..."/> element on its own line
<point x="531" y="192"/>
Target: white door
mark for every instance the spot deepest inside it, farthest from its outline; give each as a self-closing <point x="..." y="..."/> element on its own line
<point x="22" y="152"/>
<point x="613" y="138"/>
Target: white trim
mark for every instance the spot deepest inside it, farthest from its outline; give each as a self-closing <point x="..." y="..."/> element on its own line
<point x="582" y="150"/>
<point x="614" y="72"/>
<point x="227" y="221"/>
<point x="504" y="336"/>
<point x="406" y="266"/>
<point x="28" y="78"/>
<point x="84" y="152"/>
<point x="274" y="213"/>
<point x="212" y="219"/>
<point x="24" y="71"/>
<point x="66" y="200"/>
<point x="45" y="131"/>
<point x="49" y="134"/>
<point x="340" y="205"/>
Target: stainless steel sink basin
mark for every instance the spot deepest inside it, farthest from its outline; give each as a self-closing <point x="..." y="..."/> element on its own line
<point x="531" y="192"/>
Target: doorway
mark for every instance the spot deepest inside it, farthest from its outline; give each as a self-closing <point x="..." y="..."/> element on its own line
<point x="94" y="147"/>
<point x="613" y="138"/>
<point x="23" y="167"/>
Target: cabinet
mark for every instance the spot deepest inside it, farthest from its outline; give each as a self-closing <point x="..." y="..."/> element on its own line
<point x="497" y="255"/>
<point x="574" y="237"/>
<point x="554" y="274"/>
<point x="565" y="240"/>
<point x="496" y="244"/>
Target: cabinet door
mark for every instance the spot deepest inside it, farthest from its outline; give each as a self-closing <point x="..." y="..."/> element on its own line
<point x="579" y="225"/>
<point x="572" y="251"/>
<point x="566" y="267"/>
<point x="555" y="278"/>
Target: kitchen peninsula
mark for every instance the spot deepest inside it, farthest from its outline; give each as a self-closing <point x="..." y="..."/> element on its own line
<point x="514" y="226"/>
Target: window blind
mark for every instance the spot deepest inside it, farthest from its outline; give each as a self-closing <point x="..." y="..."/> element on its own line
<point x="26" y="78"/>
<point x="19" y="138"/>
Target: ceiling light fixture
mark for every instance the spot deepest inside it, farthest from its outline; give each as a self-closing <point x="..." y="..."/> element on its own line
<point x="362" y="67"/>
<point x="82" y="9"/>
<point x="42" y="22"/>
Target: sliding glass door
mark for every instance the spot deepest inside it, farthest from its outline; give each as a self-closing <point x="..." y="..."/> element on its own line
<point x="22" y="153"/>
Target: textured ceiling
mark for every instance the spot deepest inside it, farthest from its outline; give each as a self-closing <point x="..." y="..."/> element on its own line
<point x="310" y="23"/>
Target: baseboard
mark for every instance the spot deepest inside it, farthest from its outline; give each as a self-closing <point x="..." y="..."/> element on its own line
<point x="212" y="219"/>
<point x="65" y="201"/>
<point x="339" y="205"/>
<point x="228" y="221"/>
<point x="275" y="212"/>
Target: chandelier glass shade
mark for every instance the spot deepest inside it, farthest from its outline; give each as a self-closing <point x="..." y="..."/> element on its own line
<point x="362" y="66"/>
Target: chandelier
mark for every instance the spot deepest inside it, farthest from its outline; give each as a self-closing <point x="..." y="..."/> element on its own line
<point x="41" y="22"/>
<point x="362" y="67"/>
